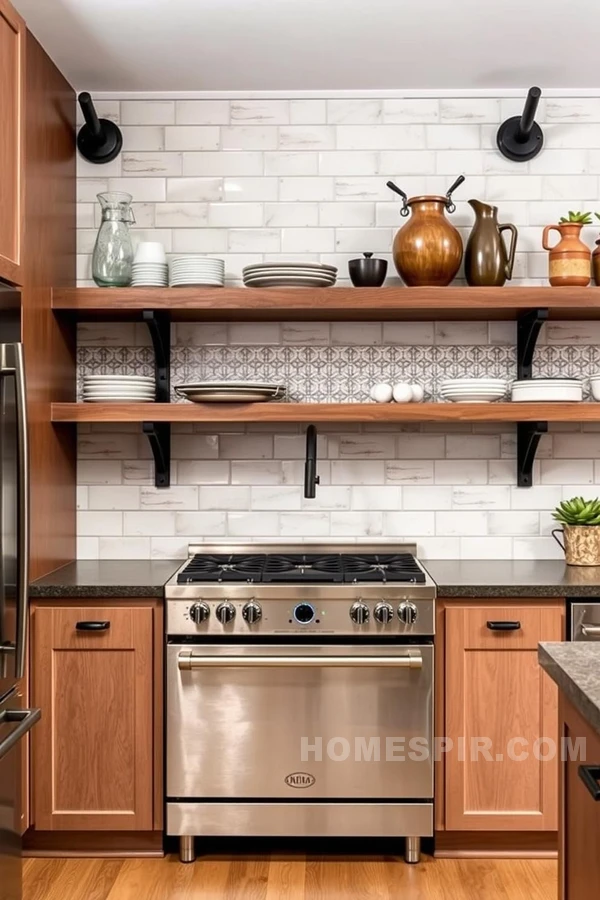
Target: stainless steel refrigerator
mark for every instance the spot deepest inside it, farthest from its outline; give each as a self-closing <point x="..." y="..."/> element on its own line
<point x="15" y="721"/>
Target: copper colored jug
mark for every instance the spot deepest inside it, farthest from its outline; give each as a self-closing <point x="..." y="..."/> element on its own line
<point x="487" y="261"/>
<point x="428" y="250"/>
<point x="570" y="259"/>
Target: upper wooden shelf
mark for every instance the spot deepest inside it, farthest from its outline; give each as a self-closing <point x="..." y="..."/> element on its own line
<point x="219" y="413"/>
<point x="344" y="303"/>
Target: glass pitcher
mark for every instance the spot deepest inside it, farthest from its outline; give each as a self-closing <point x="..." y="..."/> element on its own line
<point x="112" y="259"/>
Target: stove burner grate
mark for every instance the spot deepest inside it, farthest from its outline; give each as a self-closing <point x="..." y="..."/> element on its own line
<point x="234" y="567"/>
<point x="323" y="569"/>
<point x="386" y="567"/>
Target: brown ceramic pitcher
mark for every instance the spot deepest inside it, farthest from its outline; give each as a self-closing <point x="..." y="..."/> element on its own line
<point x="487" y="261"/>
<point x="570" y="259"/>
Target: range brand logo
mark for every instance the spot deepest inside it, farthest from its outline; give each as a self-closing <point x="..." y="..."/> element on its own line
<point x="300" y="780"/>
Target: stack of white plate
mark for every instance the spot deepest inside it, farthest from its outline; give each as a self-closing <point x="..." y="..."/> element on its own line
<point x="231" y="391"/>
<point x="150" y="275"/>
<point x="532" y="390"/>
<point x="281" y="274"/>
<point x="118" y="389"/>
<point x="196" y="271"/>
<point x="473" y="390"/>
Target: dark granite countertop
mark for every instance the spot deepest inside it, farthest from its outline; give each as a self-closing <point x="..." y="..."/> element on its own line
<point x="103" y="578"/>
<point x="575" y="667"/>
<point x="458" y="579"/>
<point x="512" y="578"/>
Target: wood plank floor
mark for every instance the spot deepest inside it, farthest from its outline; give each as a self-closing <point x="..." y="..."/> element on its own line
<point x="289" y="877"/>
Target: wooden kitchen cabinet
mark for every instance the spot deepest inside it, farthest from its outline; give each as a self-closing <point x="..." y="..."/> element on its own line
<point x="579" y="826"/>
<point x="496" y="693"/>
<point x="97" y="751"/>
<point x="12" y="141"/>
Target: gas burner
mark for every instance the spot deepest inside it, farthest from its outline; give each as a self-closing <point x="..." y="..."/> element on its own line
<point x="382" y="567"/>
<point x="323" y="569"/>
<point x="236" y="568"/>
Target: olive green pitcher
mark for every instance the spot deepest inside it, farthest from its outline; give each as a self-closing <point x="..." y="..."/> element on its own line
<point x="487" y="261"/>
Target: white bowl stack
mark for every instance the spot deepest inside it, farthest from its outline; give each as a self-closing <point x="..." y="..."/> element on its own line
<point x="534" y="390"/>
<point x="473" y="390"/>
<point x="196" y="271"/>
<point x="150" y="267"/>
<point x="282" y="274"/>
<point x="118" y="389"/>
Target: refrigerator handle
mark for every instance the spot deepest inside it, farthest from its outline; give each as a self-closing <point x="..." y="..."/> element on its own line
<point x="26" y="719"/>
<point x="12" y="363"/>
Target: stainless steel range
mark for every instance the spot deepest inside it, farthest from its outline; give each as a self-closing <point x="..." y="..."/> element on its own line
<point x="300" y="693"/>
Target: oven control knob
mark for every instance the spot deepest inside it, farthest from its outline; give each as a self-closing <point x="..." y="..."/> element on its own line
<point x="383" y="613"/>
<point x="199" y="613"/>
<point x="407" y="613"/>
<point x="225" y="612"/>
<point x="359" y="613"/>
<point x="252" y="612"/>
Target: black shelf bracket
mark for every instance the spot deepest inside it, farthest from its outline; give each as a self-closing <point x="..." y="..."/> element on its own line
<point x="159" y="433"/>
<point x="528" y="438"/>
<point x="159" y="436"/>
<point x="159" y="326"/>
<point x="528" y="329"/>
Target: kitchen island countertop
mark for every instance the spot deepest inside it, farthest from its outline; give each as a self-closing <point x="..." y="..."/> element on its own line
<point x="575" y="667"/>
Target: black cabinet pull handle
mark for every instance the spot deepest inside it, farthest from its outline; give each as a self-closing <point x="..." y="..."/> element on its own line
<point x="92" y="626"/>
<point x="590" y="775"/>
<point x="504" y="626"/>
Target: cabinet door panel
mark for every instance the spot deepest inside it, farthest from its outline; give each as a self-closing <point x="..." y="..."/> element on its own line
<point x="580" y="826"/>
<point x="499" y="703"/>
<point x="93" y="760"/>
<point x="12" y="79"/>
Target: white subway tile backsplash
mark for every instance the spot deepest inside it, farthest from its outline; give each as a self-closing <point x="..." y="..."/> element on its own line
<point x="251" y="137"/>
<point x="147" y="112"/>
<point x="407" y="111"/>
<point x="202" y="112"/>
<point x="223" y="164"/>
<point x="260" y="112"/>
<point x="143" y="137"/>
<point x="380" y="137"/>
<point x="308" y="112"/>
<point x="264" y="180"/>
<point x="303" y="189"/>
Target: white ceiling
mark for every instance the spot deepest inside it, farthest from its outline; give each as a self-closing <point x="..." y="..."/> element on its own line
<point x="304" y="45"/>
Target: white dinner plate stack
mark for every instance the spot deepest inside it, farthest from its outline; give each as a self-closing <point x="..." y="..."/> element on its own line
<point x="473" y="390"/>
<point x="231" y="391"/>
<point x="150" y="275"/>
<point x="118" y="389"/>
<point x="281" y="274"/>
<point x="534" y="390"/>
<point x="196" y="271"/>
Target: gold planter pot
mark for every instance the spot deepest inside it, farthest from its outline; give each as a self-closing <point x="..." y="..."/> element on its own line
<point x="581" y="544"/>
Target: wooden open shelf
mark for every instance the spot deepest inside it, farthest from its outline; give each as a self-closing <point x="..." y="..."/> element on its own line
<point x="218" y="413"/>
<point x="393" y="303"/>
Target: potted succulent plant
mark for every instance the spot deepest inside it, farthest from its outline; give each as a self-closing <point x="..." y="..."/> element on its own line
<point x="570" y="259"/>
<point x="581" y="531"/>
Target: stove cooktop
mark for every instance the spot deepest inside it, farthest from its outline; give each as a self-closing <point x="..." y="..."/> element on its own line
<point x="300" y="568"/>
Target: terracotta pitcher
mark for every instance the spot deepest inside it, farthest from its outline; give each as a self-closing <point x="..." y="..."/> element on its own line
<point x="428" y="250"/>
<point x="570" y="259"/>
<point x="487" y="261"/>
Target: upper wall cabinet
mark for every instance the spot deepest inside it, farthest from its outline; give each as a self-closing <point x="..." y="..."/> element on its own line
<point x="12" y="131"/>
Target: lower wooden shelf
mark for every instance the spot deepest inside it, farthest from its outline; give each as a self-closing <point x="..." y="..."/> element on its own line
<point x="325" y="412"/>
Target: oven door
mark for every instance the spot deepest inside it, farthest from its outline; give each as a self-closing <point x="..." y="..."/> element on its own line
<point x="585" y="621"/>
<point x="299" y="722"/>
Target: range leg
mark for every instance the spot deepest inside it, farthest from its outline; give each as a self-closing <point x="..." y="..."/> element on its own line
<point x="412" y="851"/>
<point x="187" y="853"/>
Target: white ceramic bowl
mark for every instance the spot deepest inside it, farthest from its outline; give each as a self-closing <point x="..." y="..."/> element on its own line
<point x="150" y="252"/>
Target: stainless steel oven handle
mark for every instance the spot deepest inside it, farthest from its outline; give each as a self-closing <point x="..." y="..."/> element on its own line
<point x="590" y="630"/>
<point x="12" y="363"/>
<point x="187" y="659"/>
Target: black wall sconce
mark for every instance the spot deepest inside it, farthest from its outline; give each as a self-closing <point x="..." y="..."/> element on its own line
<point x="311" y="479"/>
<point x="99" y="140"/>
<point x="520" y="138"/>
